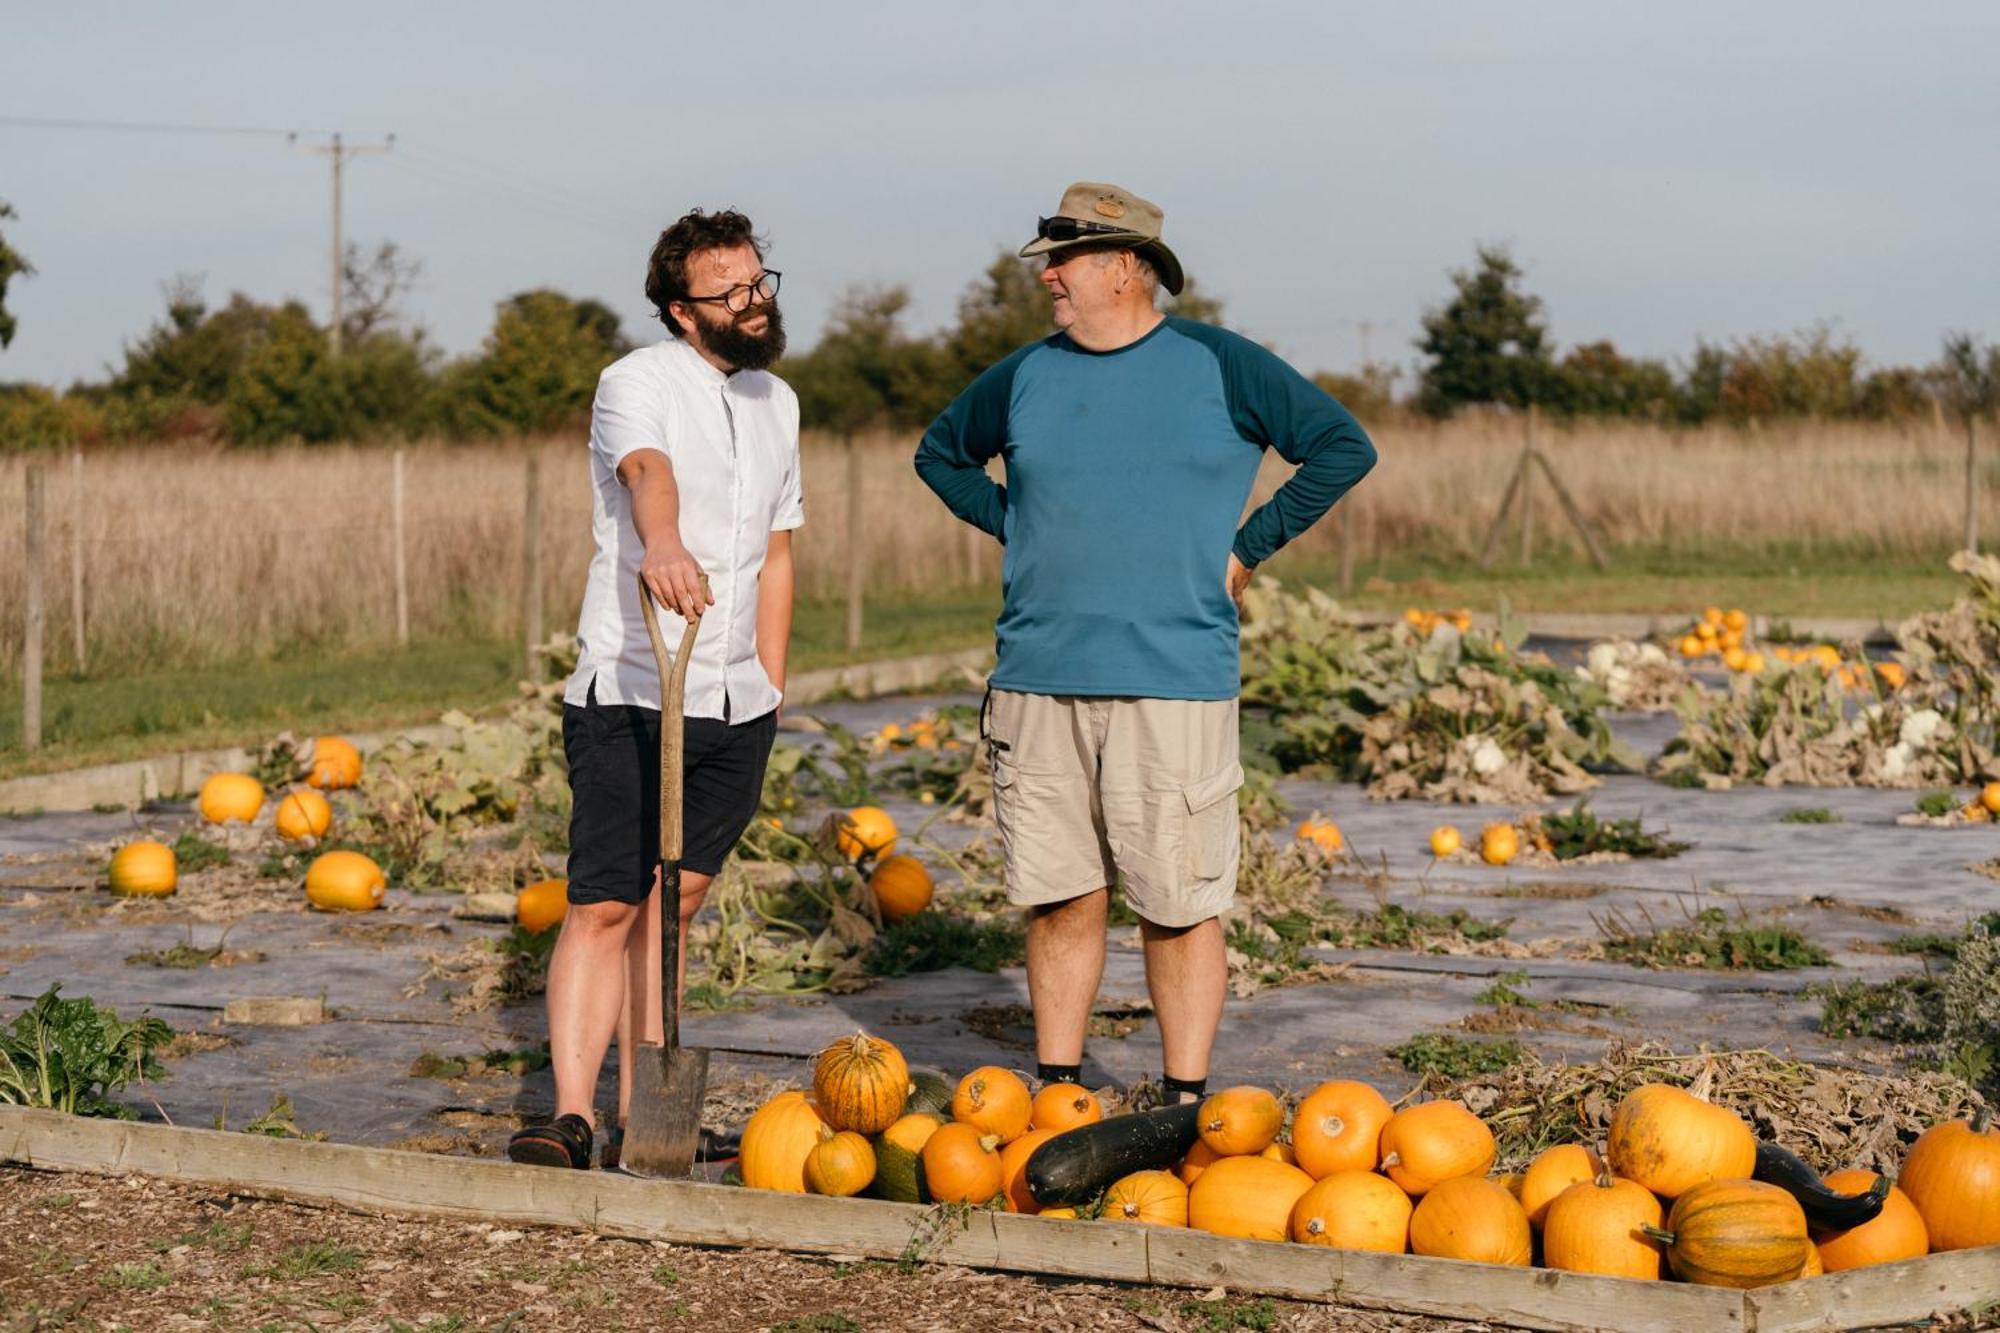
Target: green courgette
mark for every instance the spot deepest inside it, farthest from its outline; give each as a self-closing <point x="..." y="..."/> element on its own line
<point x="1079" y="1164"/>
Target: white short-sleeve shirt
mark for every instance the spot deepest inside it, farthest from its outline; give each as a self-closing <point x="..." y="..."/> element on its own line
<point x="733" y="441"/>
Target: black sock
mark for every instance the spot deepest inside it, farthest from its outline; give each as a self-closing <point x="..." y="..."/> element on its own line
<point x="1049" y="1073"/>
<point x="1178" y="1090"/>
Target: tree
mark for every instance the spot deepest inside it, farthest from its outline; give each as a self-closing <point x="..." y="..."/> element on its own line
<point x="1596" y="379"/>
<point x="1969" y="374"/>
<point x="1488" y="344"/>
<point x="12" y="265"/>
<point x="374" y="287"/>
<point x="537" y="370"/>
<point x="194" y="353"/>
<point x="1195" y="304"/>
<point x="864" y="372"/>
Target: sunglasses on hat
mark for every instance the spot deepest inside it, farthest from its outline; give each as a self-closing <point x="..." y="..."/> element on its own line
<point x="1070" y="229"/>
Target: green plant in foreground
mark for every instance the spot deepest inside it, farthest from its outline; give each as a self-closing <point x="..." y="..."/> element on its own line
<point x="1579" y="832"/>
<point x="1230" y="1315"/>
<point x="1936" y="804"/>
<point x="1949" y="1022"/>
<point x="1455" y="1057"/>
<point x="72" y="1055"/>
<point x="1810" y="814"/>
<point x="931" y="941"/>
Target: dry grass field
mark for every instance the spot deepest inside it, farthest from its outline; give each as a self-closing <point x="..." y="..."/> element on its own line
<point x="195" y="556"/>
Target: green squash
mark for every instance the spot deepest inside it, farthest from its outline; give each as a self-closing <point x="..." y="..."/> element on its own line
<point x="899" y="1162"/>
<point x="931" y="1094"/>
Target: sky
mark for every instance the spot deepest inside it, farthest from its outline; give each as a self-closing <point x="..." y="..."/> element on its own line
<point x="1663" y="171"/>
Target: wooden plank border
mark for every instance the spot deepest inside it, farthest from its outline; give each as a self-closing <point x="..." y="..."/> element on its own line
<point x="381" y="1180"/>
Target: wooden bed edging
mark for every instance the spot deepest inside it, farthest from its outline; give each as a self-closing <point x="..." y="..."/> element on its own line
<point x="383" y="1180"/>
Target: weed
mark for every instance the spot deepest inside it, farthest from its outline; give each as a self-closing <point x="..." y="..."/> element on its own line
<point x="1936" y="804"/>
<point x="1455" y="1057"/>
<point x="1810" y="814"/>
<point x="280" y="1121"/>
<point x="1578" y="832"/>
<point x="931" y="941"/>
<point x="193" y="852"/>
<point x="932" y="1228"/>
<point x="1502" y="995"/>
<point x="1709" y="939"/>
<point x="1227" y="1316"/>
<point x="308" y="1261"/>
<point x="148" y="1276"/>
<point x="1949" y="1022"/>
<point x="818" y="1323"/>
<point x="708" y="995"/>
<point x="526" y="1060"/>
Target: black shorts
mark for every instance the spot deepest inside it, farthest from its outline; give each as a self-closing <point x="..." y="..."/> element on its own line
<point x="614" y="778"/>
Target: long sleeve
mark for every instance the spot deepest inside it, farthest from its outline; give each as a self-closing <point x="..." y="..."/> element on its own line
<point x="953" y="455"/>
<point x="1274" y="406"/>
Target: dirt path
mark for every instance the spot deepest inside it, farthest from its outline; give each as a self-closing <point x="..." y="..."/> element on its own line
<point x="91" y="1253"/>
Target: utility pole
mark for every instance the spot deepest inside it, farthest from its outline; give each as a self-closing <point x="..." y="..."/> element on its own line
<point x="338" y="151"/>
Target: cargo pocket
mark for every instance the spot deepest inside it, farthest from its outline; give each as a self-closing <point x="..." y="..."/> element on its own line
<point x="1212" y="831"/>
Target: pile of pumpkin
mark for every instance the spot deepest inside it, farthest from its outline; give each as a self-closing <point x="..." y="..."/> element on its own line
<point x="1424" y="622"/>
<point x="1682" y="1185"/>
<point x="901" y="885"/>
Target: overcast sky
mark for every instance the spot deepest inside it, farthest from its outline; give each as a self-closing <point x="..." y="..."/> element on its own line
<point x="1663" y="170"/>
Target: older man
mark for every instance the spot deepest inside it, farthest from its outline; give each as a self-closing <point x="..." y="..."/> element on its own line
<point x="1131" y="442"/>
<point x="694" y="466"/>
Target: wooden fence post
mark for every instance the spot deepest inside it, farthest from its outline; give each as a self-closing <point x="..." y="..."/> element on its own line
<point x="857" y="544"/>
<point x="531" y="567"/>
<point x="402" y="556"/>
<point x="1971" y="483"/>
<point x="77" y="509"/>
<point x="31" y="649"/>
<point x="1527" y="489"/>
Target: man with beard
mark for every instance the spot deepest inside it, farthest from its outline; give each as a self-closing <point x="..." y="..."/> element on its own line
<point x="1131" y="442"/>
<point x="694" y="461"/>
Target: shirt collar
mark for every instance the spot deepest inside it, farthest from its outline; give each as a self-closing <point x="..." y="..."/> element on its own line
<point x="707" y="373"/>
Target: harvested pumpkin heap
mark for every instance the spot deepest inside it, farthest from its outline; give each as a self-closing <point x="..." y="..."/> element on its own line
<point x="1642" y="1166"/>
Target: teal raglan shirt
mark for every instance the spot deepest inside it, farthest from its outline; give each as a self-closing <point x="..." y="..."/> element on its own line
<point x="1125" y="474"/>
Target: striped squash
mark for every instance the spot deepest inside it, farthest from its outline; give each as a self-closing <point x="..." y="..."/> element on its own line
<point x="861" y="1083"/>
<point x="1735" y="1233"/>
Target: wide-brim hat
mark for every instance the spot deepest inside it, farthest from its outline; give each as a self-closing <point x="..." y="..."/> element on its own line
<point x="1093" y="213"/>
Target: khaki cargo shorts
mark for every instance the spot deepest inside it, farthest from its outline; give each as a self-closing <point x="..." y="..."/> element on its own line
<point x="1086" y="789"/>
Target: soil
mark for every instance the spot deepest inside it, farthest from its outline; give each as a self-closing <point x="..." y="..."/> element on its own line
<point x="89" y="1254"/>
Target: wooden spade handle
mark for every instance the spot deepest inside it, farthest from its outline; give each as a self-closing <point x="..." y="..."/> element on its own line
<point x="673" y="698"/>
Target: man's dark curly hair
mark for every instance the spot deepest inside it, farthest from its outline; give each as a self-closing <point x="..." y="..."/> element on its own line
<point x="667" y="271"/>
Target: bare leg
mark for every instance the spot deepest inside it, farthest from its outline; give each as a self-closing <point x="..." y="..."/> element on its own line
<point x="642" y="967"/>
<point x="583" y="1009"/>
<point x="1187" y="972"/>
<point x="1065" y="965"/>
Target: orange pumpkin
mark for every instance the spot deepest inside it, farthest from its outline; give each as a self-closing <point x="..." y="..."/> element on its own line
<point x="1554" y="1171"/>
<point x="780" y="1136"/>
<point x="1735" y="1233"/>
<point x="302" y="814"/>
<point x="841" y="1164"/>
<point x="1323" y="835"/>
<point x="865" y="830"/>
<point x="1240" y="1120"/>
<point x="1897" y="1232"/>
<point x="335" y="763"/>
<point x="541" y="905"/>
<point x="1599" y="1226"/>
<point x="1281" y="1152"/>
<point x="1155" y="1198"/>
<point x="902" y="888"/>
<point x="1063" y="1212"/>
<point x="1199" y="1158"/>
<point x="1014" y="1170"/>
<point x="1470" y="1217"/>
<point x="1062" y="1106"/>
<point x="144" y="869"/>
<point x="344" y="881"/>
<point x="1338" y="1127"/>
<point x="1815" y="1263"/>
<point x="1670" y="1140"/>
<point x="962" y="1165"/>
<point x="230" y="798"/>
<point x="995" y="1101"/>
<point x="1353" y="1210"/>
<point x="1432" y="1142"/>
<point x="861" y="1083"/>
<point x="1250" y="1197"/>
<point x="1952" y="1175"/>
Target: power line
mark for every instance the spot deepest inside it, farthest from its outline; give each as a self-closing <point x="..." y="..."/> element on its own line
<point x="142" y="127"/>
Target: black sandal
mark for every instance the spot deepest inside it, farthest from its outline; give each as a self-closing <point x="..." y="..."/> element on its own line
<point x="564" y="1141"/>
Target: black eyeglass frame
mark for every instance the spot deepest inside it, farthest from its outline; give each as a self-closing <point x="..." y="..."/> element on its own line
<point x="771" y="278"/>
<point x="1052" y="229"/>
